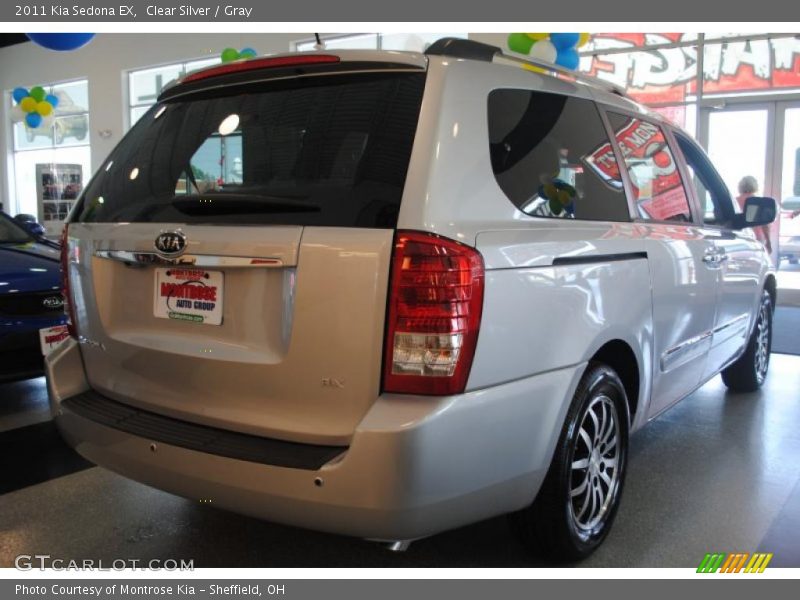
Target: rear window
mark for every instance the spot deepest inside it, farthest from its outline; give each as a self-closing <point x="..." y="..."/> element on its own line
<point x="327" y="150"/>
<point x="552" y="157"/>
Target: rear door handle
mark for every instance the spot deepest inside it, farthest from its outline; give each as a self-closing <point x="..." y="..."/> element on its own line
<point x="714" y="258"/>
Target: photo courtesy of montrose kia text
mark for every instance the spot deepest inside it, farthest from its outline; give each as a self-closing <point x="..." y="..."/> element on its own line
<point x="374" y="307"/>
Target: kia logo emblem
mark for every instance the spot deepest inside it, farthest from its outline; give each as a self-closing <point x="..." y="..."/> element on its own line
<point x="53" y="302"/>
<point x="171" y="243"/>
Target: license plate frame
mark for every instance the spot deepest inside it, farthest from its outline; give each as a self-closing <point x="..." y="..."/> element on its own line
<point x="189" y="294"/>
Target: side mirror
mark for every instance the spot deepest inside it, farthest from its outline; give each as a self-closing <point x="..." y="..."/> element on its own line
<point x="757" y="211"/>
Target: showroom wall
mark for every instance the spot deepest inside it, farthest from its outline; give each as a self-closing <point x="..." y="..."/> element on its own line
<point x="105" y="62"/>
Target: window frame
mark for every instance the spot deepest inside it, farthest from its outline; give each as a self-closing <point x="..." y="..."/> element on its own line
<point x="666" y="130"/>
<point x="718" y="182"/>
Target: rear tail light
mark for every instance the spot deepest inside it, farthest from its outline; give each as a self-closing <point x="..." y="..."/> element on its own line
<point x="65" y="282"/>
<point x="435" y="303"/>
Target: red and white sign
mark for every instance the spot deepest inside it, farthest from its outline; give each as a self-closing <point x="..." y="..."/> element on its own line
<point x="670" y="74"/>
<point x="656" y="181"/>
<point x="51" y="338"/>
<point x="192" y="295"/>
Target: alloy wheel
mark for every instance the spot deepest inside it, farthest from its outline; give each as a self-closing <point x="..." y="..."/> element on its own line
<point x="595" y="466"/>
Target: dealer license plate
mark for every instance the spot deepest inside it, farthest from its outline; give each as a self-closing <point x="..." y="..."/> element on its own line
<point x="192" y="295"/>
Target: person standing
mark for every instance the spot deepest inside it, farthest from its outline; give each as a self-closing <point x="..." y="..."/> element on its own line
<point x="748" y="186"/>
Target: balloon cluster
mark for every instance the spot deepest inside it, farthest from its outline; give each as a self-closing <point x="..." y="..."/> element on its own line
<point x="231" y="54"/>
<point x="34" y="107"/>
<point x="558" y="48"/>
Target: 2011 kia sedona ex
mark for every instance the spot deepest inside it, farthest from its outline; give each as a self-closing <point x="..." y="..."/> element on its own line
<point x="387" y="294"/>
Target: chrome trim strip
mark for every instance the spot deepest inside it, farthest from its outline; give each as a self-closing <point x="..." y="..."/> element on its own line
<point x="685" y="351"/>
<point x="731" y="323"/>
<point x="141" y="259"/>
<point x="694" y="346"/>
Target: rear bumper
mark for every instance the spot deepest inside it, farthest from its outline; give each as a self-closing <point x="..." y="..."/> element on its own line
<point x="415" y="466"/>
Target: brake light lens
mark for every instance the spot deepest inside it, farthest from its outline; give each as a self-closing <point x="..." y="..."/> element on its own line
<point x="297" y="60"/>
<point x="435" y="304"/>
<point x="65" y="282"/>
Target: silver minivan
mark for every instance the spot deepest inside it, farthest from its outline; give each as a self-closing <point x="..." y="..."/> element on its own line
<point x="387" y="294"/>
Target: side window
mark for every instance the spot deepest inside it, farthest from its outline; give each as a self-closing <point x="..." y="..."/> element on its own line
<point x="551" y="156"/>
<point x="712" y="192"/>
<point x="658" y="191"/>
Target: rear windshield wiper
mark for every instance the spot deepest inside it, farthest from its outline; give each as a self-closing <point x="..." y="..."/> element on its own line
<point x="228" y="203"/>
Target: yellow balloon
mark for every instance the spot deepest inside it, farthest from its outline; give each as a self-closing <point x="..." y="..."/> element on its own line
<point x="564" y="197"/>
<point x="551" y="191"/>
<point x="583" y="39"/>
<point x="538" y="36"/>
<point x="44" y="108"/>
<point x="28" y="104"/>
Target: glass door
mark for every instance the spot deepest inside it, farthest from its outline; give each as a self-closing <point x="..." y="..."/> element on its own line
<point x="787" y="174"/>
<point x="762" y="140"/>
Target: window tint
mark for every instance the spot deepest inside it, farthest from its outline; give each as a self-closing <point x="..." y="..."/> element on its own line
<point x="658" y="191"/>
<point x="329" y="151"/>
<point x="711" y="190"/>
<point x="552" y="158"/>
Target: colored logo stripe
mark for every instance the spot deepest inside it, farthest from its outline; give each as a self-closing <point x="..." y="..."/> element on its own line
<point x="758" y="563"/>
<point x="710" y="563"/>
<point x="734" y="562"/>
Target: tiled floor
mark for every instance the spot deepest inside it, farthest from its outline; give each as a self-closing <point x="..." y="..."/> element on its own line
<point x="719" y="472"/>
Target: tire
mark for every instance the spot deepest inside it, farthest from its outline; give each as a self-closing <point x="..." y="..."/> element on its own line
<point x="565" y="523"/>
<point x="749" y="371"/>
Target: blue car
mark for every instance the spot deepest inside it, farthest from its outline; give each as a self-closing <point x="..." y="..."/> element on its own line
<point x="30" y="298"/>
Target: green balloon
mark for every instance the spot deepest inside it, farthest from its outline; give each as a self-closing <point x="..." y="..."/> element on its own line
<point x="519" y="42"/>
<point x="38" y="93"/>
<point x="229" y="54"/>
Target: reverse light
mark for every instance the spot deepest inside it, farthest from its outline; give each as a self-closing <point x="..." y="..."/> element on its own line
<point x="435" y="304"/>
<point x="66" y="290"/>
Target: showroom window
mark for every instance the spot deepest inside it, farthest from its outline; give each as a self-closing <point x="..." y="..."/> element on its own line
<point x="145" y="85"/>
<point x="52" y="164"/>
<point x="552" y="157"/>
<point x="413" y="42"/>
<point x="658" y="191"/>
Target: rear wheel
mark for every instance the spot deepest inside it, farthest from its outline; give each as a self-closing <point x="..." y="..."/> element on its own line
<point x="748" y="373"/>
<point x="576" y="506"/>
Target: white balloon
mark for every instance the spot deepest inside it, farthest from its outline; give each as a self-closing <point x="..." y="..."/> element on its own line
<point x="17" y="114"/>
<point x="544" y="50"/>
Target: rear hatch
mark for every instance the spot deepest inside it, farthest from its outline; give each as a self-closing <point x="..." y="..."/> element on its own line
<point x="229" y="262"/>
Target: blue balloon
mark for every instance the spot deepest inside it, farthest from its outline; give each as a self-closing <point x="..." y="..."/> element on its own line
<point x="248" y="53"/>
<point x="562" y="41"/>
<point x="52" y="99"/>
<point x="63" y="42"/>
<point x="568" y="58"/>
<point x="18" y="94"/>
<point x="33" y="119"/>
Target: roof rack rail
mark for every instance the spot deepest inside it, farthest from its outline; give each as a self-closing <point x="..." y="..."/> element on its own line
<point x="473" y="50"/>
